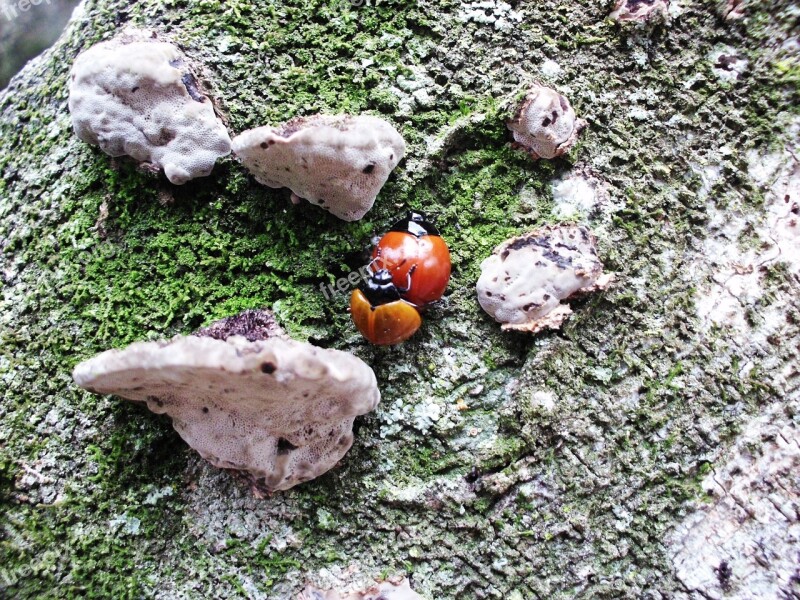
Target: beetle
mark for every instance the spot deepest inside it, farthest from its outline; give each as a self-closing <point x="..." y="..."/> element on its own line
<point x="380" y="313"/>
<point x="417" y="258"/>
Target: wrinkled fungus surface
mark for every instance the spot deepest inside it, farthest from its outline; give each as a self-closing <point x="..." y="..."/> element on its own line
<point x="135" y="95"/>
<point x="277" y="410"/>
<point x="523" y="283"/>
<point x="337" y="162"/>
<point x="545" y="124"/>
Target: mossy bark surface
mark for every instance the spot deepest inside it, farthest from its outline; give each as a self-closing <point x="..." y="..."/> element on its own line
<point x="497" y="465"/>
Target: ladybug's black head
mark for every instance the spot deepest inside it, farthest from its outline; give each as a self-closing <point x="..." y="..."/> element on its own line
<point x="416" y="223"/>
<point x="379" y="289"/>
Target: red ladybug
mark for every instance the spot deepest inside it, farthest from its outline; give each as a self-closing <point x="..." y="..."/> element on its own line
<point x="380" y="314"/>
<point x="417" y="257"/>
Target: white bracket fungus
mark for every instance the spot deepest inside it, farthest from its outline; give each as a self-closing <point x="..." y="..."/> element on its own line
<point x="523" y="283"/>
<point x="397" y="589"/>
<point x="339" y="163"/>
<point x="545" y="125"/>
<point x="640" y="10"/>
<point x="278" y="410"/>
<point x="135" y="95"/>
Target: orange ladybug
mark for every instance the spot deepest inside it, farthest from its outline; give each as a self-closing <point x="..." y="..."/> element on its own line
<point x="380" y="314"/>
<point x="417" y="258"/>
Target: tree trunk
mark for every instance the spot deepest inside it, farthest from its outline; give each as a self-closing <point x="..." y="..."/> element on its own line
<point x="580" y="462"/>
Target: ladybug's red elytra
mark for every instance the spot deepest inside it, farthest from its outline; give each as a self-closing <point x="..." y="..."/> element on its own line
<point x="380" y="314"/>
<point x="417" y="258"/>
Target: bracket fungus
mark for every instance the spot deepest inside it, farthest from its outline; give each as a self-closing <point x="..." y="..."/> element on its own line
<point x="392" y="589"/>
<point x="277" y="410"/>
<point x="338" y="162"/>
<point x="135" y="95"/>
<point x="640" y="10"/>
<point x="545" y="125"/>
<point x="523" y="283"/>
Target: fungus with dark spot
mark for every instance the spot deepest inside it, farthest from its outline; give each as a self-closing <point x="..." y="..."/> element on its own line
<point x="539" y="270"/>
<point x="640" y="10"/>
<point x="545" y="125"/>
<point x="281" y="412"/>
<point x="135" y="95"/>
<point x="342" y="159"/>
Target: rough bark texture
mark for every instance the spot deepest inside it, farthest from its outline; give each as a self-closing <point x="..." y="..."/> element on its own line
<point x="497" y="465"/>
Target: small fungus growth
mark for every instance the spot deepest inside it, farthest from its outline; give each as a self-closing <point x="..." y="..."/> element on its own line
<point x="135" y="95"/>
<point x="640" y="10"/>
<point x="337" y="162"/>
<point x="398" y="589"/>
<point x="545" y="125"/>
<point x="735" y="9"/>
<point x="276" y="410"/>
<point x="523" y="283"/>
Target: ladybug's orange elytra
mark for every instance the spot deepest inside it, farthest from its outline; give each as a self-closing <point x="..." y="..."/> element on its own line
<point x="385" y="324"/>
<point x="417" y="258"/>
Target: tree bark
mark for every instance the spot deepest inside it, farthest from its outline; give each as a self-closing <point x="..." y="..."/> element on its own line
<point x="498" y="465"/>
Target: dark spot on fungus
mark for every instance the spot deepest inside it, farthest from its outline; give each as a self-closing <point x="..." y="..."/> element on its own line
<point x="285" y="446"/>
<point x="724" y="574"/>
<point x="368" y="169"/>
<point x="264" y="145"/>
<point x="135" y="89"/>
<point x="190" y="83"/>
<point x="158" y="401"/>
<point x="268" y="368"/>
<point x="205" y="409"/>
